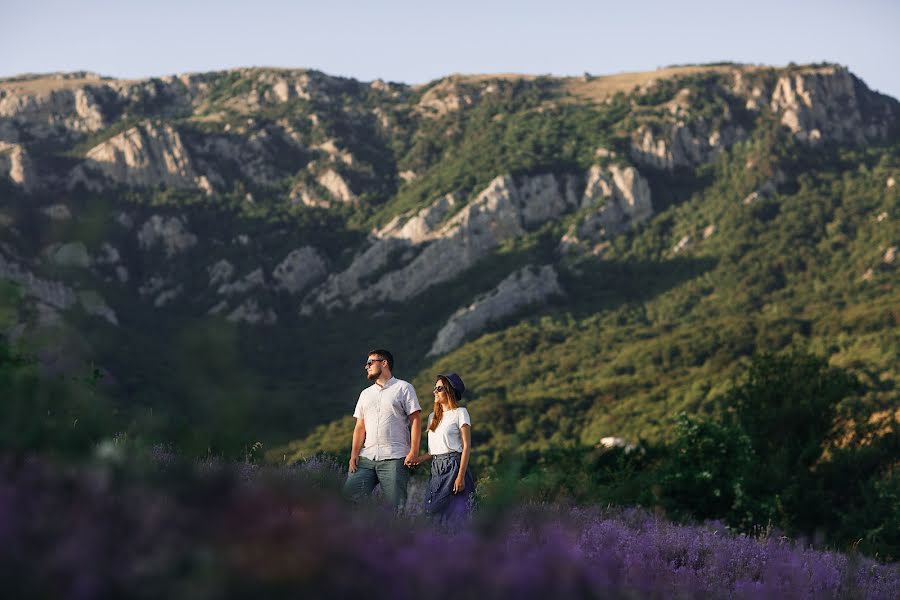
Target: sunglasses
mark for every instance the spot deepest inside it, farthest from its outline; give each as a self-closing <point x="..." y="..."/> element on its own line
<point x="371" y="362"/>
<point x="438" y="388"/>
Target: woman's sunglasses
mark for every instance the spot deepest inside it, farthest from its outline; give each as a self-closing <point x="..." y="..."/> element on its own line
<point x="438" y="388"/>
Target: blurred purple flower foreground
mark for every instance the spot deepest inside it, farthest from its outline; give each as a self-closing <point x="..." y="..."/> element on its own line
<point x="210" y="531"/>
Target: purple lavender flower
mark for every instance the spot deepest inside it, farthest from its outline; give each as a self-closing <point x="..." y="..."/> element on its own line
<point x="228" y="530"/>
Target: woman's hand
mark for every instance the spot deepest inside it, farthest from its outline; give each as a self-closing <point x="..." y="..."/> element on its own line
<point x="459" y="484"/>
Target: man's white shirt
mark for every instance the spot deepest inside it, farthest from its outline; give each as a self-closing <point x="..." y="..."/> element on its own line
<point x="385" y="412"/>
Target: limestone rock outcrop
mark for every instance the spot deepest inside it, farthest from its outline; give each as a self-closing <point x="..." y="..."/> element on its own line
<point x="168" y="232"/>
<point x="418" y="227"/>
<point x="828" y="103"/>
<point x="457" y="93"/>
<point x="16" y="165"/>
<point x="54" y="294"/>
<point x="220" y="273"/>
<point x="300" y="268"/>
<point x="507" y="208"/>
<point x="249" y="311"/>
<point x="146" y="155"/>
<point x="334" y="188"/>
<point x="526" y="287"/>
<point x="447" y="97"/>
<point x="669" y="145"/>
<point x="254" y="156"/>
<point x="167" y="296"/>
<point x="303" y="193"/>
<point x="682" y="244"/>
<point x="620" y="199"/>
<point x="46" y="110"/>
<point x="271" y="136"/>
<point x="252" y="280"/>
<point x="337" y="186"/>
<point x="109" y="255"/>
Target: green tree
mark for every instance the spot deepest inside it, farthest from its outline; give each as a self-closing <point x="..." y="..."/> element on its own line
<point x="60" y="414"/>
<point x="787" y="407"/>
<point x="707" y="466"/>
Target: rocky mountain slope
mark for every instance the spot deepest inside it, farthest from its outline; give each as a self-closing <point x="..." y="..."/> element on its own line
<point x="237" y="238"/>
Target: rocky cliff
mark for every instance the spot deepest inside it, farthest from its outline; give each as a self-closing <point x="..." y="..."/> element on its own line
<point x="526" y="287"/>
<point x="273" y="126"/>
<point x="146" y="156"/>
<point x="424" y="251"/>
<point x="593" y="253"/>
<point x="281" y="201"/>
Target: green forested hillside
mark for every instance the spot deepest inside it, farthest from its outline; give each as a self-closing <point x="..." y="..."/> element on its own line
<point x="761" y="239"/>
<point x="196" y="263"/>
<point x="646" y="333"/>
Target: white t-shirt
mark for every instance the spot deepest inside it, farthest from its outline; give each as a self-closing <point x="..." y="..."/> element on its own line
<point x="447" y="437"/>
<point x="385" y="412"/>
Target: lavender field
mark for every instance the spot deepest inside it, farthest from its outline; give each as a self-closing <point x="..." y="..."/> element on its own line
<point x="164" y="529"/>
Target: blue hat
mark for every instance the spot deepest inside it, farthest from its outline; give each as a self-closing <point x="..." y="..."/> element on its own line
<point x="456" y="381"/>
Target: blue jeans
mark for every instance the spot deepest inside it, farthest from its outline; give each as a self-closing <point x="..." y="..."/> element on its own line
<point x="392" y="474"/>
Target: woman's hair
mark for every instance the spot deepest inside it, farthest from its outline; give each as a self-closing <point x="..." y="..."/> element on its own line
<point x="438" y="409"/>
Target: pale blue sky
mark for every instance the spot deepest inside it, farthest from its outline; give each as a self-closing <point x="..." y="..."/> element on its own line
<point x="416" y="41"/>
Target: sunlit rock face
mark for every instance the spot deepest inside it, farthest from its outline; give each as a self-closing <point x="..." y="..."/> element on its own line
<point x="49" y="111"/>
<point x="147" y="155"/>
<point x="431" y="251"/>
<point x="305" y="144"/>
<point x="16" y="165"/>
<point x="829" y="104"/>
<point x="681" y="144"/>
<point x="617" y="199"/>
<point x="528" y="286"/>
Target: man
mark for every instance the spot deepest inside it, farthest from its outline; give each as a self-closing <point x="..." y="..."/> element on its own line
<point x="383" y="449"/>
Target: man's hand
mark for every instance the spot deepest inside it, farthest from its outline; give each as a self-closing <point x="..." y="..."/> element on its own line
<point x="411" y="459"/>
<point x="354" y="463"/>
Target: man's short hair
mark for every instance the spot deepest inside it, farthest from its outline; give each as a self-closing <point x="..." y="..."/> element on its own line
<point x="385" y="354"/>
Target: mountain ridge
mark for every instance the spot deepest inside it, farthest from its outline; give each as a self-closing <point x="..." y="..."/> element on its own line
<point x="276" y="212"/>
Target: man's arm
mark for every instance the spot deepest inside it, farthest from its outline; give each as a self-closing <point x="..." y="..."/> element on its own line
<point x="359" y="436"/>
<point x="415" y="424"/>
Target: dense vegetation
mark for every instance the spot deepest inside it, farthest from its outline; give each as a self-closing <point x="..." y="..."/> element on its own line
<point x="755" y="369"/>
<point x="149" y="527"/>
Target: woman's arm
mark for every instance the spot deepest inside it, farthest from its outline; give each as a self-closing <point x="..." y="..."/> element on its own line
<point x="465" y="431"/>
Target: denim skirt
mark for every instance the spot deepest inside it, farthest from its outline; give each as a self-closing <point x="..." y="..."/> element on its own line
<point x="439" y="497"/>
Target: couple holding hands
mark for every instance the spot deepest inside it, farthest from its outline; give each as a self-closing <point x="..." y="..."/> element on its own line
<point x="387" y="436"/>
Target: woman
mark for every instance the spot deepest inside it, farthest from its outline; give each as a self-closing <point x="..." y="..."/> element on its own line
<point x="451" y="488"/>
